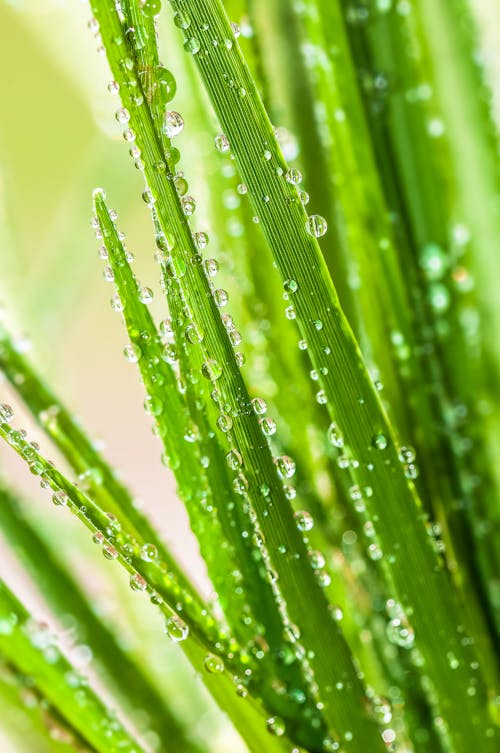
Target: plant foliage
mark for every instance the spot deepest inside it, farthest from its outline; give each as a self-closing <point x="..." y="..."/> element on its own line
<point x="336" y="459"/>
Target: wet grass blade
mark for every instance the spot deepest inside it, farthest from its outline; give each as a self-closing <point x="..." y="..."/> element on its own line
<point x="273" y="510"/>
<point x="347" y="390"/>
<point x="212" y="653"/>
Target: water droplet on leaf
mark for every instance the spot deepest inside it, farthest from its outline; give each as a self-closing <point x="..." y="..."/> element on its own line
<point x="174" y="124"/>
<point x="316" y="225"/>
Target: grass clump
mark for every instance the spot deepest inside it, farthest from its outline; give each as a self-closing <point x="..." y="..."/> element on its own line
<point x="337" y="458"/>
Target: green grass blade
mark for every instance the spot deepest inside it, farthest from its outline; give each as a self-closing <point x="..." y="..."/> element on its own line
<point x="139" y="558"/>
<point x="472" y="140"/>
<point x="65" y="597"/>
<point x="70" y="438"/>
<point x="29" y="719"/>
<point x="167" y="403"/>
<point x="147" y="573"/>
<point x="410" y="161"/>
<point x="26" y="645"/>
<point x="278" y="527"/>
<point x="349" y="393"/>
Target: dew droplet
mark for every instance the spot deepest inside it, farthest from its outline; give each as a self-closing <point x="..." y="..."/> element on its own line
<point x="211" y="369"/>
<point x="291" y="286"/>
<point x="153" y="406"/>
<point x="398" y="630"/>
<point x="439" y="298"/>
<point x="375" y="552"/>
<point x="234" y="460"/>
<point x="177" y="629"/>
<point x="222" y="143"/>
<point x="224" y="423"/>
<point x="268" y="426"/>
<point x="436" y="128"/>
<point x="213" y="664"/>
<point x="379" y="441"/>
<point x="317" y="560"/>
<point x="151" y="8"/>
<point x="323" y="578"/>
<point x="116" y="303"/>
<point x="293" y="176"/>
<point x="316" y="225"/>
<point x="388" y="736"/>
<point x="148" y="552"/>
<point x="334" y="437"/>
<point x="220" y="297"/>
<point x="146" y="295"/>
<point x="166" y="83"/>
<point x="433" y="261"/>
<point x="330" y="745"/>
<point x="108" y="274"/>
<point x="193" y="334"/>
<point x="411" y="471"/>
<point x="174" y="123"/>
<point x="235" y="337"/>
<point x="6" y="413"/>
<point x="181" y="185"/>
<point x="60" y="497"/>
<point x="188" y="205"/>
<point x="275" y="726"/>
<point x="137" y="582"/>
<point x="240" y="484"/>
<point x="109" y="552"/>
<point x="211" y="267"/>
<point x="259" y="406"/>
<point x="132" y="353"/>
<point x="304" y="520"/>
<point x="406" y="454"/>
<point x="182" y="20"/>
<point x="285" y="466"/>
<point x="200" y="241"/>
<point x="192" y="45"/>
<point x="122" y="115"/>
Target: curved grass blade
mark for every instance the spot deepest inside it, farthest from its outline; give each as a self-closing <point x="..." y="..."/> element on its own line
<point x="148" y="574"/>
<point x="139" y="558"/>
